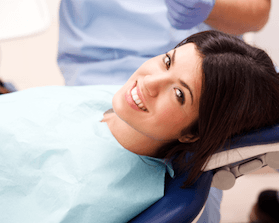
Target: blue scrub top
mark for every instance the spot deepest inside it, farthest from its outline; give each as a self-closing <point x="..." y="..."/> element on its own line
<point x="104" y="42"/>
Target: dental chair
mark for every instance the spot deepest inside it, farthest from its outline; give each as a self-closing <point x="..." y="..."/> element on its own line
<point x="246" y="154"/>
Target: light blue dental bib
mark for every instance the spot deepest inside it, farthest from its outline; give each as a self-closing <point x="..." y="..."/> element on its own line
<point x="59" y="163"/>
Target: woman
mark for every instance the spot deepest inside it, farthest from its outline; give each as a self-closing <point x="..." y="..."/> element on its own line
<point x="62" y="160"/>
<point x="223" y="88"/>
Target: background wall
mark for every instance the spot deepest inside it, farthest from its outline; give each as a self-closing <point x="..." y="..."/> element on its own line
<point x="31" y="61"/>
<point x="268" y="37"/>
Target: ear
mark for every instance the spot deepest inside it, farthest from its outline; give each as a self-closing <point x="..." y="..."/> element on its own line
<point x="188" y="138"/>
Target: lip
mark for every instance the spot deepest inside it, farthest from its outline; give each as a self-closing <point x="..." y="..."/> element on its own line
<point x="129" y="99"/>
<point x="141" y="96"/>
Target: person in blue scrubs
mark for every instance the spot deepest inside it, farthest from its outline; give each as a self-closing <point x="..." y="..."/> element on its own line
<point x="104" y="42"/>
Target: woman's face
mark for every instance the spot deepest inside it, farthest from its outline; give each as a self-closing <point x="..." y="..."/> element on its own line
<point x="162" y="97"/>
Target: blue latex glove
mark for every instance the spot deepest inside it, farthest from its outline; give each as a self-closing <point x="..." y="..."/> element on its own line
<point x="185" y="14"/>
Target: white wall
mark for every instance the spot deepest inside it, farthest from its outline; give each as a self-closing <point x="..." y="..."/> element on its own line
<point x="31" y="61"/>
<point x="268" y="38"/>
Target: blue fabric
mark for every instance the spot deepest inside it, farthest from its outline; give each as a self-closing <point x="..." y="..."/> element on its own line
<point x="211" y="213"/>
<point x="267" y="135"/>
<point x="186" y="14"/>
<point x="178" y="205"/>
<point x="104" y="42"/>
<point x="59" y="163"/>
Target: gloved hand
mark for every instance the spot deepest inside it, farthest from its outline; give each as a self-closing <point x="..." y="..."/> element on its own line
<point x="185" y="14"/>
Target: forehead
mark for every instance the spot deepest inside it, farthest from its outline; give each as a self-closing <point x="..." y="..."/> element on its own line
<point x="188" y="66"/>
<point x="188" y="55"/>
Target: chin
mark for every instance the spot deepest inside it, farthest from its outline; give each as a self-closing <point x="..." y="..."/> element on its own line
<point x="118" y="105"/>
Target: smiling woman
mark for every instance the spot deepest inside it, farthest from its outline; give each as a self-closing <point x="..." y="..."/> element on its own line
<point x="65" y="159"/>
<point x="169" y="90"/>
<point x="211" y="87"/>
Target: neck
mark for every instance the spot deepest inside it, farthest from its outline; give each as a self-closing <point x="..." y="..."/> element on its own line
<point x="131" y="139"/>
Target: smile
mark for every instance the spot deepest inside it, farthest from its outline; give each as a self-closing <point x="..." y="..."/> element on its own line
<point x="137" y="99"/>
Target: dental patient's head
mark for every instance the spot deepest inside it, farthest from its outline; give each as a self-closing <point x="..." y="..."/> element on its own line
<point x="162" y="97"/>
<point x="211" y="87"/>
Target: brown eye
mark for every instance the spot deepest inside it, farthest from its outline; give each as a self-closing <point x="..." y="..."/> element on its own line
<point x="180" y="96"/>
<point x="167" y="61"/>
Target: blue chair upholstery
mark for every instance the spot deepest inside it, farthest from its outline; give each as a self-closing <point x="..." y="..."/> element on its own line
<point x="183" y="205"/>
<point x="178" y="205"/>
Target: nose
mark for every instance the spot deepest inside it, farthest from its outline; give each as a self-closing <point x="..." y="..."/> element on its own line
<point x="156" y="82"/>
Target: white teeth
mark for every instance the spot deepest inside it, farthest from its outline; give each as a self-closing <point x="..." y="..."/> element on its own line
<point x="137" y="99"/>
<point x="134" y="91"/>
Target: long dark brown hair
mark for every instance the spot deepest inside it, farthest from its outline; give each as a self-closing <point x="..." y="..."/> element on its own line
<point x="240" y="93"/>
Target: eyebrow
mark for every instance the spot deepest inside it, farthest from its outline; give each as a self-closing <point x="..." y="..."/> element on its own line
<point x="181" y="81"/>
<point x="187" y="87"/>
<point x="173" y="56"/>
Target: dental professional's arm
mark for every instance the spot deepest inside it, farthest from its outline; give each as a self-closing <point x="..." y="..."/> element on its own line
<point x="230" y="16"/>
<point x="239" y="16"/>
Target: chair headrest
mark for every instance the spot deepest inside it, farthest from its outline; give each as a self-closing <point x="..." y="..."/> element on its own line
<point x="246" y="146"/>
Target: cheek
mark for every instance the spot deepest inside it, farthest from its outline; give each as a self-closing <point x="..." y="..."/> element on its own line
<point x="170" y="115"/>
<point x="167" y="115"/>
<point x="171" y="122"/>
